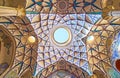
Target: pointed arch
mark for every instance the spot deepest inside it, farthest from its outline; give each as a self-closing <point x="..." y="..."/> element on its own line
<point x="63" y="65"/>
<point x="99" y="51"/>
<point x="7" y="50"/>
<point x="26" y="54"/>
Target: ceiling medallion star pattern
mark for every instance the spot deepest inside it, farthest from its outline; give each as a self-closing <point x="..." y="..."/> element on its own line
<point x="62" y="32"/>
<point x="79" y="16"/>
<point x="46" y="15"/>
<point x="75" y="52"/>
<point x="64" y="6"/>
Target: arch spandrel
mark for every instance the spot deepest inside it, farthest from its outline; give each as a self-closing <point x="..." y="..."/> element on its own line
<point x="26" y="52"/>
<point x="65" y="66"/>
<point x="99" y="52"/>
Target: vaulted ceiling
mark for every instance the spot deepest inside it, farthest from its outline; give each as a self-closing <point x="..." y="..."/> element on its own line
<point x="83" y="18"/>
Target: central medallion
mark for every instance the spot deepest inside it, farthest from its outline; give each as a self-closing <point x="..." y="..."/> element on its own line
<point x="62" y="6"/>
<point x="61" y="36"/>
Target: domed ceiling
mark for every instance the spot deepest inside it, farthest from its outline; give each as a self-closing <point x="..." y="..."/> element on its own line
<point x="69" y="30"/>
<point x="77" y="15"/>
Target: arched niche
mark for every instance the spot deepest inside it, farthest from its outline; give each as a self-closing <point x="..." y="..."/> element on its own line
<point x="64" y="66"/>
<point x="7" y="50"/>
<point x="26" y="53"/>
<point x="62" y="74"/>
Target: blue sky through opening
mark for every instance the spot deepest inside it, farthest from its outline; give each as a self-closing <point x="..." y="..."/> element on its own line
<point x="61" y="35"/>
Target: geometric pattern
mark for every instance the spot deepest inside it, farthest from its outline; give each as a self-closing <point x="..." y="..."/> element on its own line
<point x="26" y="54"/>
<point x="75" y="53"/>
<point x="69" y="6"/>
<point x="63" y="65"/>
<point x="102" y="31"/>
<point x="99" y="51"/>
<point x="44" y="15"/>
